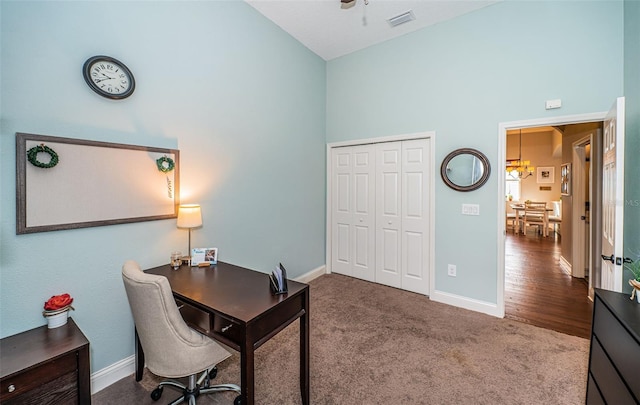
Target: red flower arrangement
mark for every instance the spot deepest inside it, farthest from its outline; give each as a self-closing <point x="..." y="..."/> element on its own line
<point x="58" y="302"/>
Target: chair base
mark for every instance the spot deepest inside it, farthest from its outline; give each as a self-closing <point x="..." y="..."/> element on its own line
<point x="195" y="388"/>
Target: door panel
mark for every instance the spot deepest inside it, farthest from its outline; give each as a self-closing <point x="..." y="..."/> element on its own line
<point x="341" y="211"/>
<point x="415" y="218"/>
<point x="353" y="234"/>
<point x="388" y="220"/>
<point x="613" y="196"/>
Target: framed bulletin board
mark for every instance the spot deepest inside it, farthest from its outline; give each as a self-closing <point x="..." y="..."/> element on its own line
<point x="65" y="183"/>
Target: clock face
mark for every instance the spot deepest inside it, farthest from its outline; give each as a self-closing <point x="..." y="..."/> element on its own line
<point x="108" y="77"/>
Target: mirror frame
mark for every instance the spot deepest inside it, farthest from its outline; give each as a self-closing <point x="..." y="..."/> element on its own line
<point x="466" y="151"/>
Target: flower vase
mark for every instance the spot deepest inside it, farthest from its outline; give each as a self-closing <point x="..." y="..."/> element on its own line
<point x="57" y="317"/>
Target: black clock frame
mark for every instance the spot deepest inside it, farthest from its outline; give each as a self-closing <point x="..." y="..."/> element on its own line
<point x="86" y="73"/>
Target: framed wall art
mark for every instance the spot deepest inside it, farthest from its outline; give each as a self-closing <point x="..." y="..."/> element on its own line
<point x="546" y="174"/>
<point x="66" y="183"/>
<point x="565" y="179"/>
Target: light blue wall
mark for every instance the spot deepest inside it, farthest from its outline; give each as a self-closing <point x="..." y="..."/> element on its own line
<point x="243" y="101"/>
<point x="632" y="131"/>
<point x="461" y="78"/>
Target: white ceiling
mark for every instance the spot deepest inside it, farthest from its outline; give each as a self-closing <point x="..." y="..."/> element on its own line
<point x="330" y="30"/>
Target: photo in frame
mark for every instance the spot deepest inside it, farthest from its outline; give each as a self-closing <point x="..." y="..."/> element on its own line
<point x="204" y="255"/>
<point x="546" y="174"/>
<point x="565" y="179"/>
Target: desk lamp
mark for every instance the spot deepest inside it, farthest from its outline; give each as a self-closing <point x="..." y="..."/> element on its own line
<point x="189" y="216"/>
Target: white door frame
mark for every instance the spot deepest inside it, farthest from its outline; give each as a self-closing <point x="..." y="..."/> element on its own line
<point x="393" y="138"/>
<point x="501" y="168"/>
<point x="578" y="260"/>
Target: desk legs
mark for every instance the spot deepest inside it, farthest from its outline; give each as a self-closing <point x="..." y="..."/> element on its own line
<point x="139" y="358"/>
<point x="304" y="351"/>
<point x="247" y="380"/>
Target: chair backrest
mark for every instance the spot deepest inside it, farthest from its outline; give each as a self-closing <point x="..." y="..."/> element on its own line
<point x="170" y="345"/>
<point x="557" y="209"/>
<point x="535" y="204"/>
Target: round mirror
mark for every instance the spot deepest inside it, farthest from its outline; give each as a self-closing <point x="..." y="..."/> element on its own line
<point x="465" y="169"/>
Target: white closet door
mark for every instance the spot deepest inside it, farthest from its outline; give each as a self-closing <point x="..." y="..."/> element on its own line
<point x="353" y="198"/>
<point x="341" y="211"/>
<point x="415" y="215"/>
<point x="388" y="219"/>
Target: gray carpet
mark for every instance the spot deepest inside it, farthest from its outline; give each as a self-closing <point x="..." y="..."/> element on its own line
<point x="372" y="344"/>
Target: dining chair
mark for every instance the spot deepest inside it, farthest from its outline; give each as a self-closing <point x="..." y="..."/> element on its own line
<point x="534" y="215"/>
<point x="555" y="218"/>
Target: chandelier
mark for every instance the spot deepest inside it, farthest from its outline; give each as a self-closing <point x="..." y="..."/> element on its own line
<point x="519" y="169"/>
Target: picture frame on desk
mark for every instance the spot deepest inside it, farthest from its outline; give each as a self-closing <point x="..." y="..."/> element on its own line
<point x="205" y="256"/>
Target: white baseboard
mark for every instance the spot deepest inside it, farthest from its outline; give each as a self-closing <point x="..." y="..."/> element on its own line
<point x="315" y="273"/>
<point x="101" y="379"/>
<point x="466" y="303"/>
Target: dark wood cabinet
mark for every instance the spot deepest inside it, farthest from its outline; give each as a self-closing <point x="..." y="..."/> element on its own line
<point x="614" y="357"/>
<point x="45" y="366"/>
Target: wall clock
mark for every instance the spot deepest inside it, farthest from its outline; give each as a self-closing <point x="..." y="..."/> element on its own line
<point x="108" y="77"/>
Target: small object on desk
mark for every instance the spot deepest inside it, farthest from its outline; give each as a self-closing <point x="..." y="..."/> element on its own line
<point x="204" y="255"/>
<point x="176" y="260"/>
<point x="278" y="280"/>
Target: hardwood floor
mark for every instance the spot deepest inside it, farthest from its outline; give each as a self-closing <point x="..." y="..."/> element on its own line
<point x="539" y="292"/>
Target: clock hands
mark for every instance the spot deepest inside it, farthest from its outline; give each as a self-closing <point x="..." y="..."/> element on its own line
<point x="106" y="77"/>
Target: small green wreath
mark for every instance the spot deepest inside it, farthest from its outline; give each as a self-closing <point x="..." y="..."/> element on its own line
<point x="32" y="155"/>
<point x="165" y="164"/>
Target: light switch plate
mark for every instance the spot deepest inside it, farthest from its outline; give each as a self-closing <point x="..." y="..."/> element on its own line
<point x="470" y="209"/>
<point x="551" y="104"/>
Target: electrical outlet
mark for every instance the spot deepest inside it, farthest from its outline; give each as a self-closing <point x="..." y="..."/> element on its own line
<point x="451" y="270"/>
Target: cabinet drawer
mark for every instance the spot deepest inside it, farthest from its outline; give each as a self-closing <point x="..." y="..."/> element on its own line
<point x="194" y="317"/>
<point x="227" y="328"/>
<point x="37" y="376"/>
<point x="605" y="375"/>
<point x="61" y="391"/>
<point x="593" y="394"/>
<point x="621" y="347"/>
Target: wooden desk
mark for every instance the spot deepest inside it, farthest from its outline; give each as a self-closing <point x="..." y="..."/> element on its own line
<point x="45" y="366"/>
<point x="519" y="209"/>
<point x="239" y="311"/>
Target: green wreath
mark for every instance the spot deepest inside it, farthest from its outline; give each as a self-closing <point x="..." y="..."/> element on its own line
<point x="165" y="168"/>
<point x="32" y="155"/>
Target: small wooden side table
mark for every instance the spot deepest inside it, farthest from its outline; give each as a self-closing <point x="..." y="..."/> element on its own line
<point x="45" y="366"/>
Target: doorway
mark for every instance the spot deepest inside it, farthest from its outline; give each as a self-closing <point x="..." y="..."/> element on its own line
<point x="558" y="122"/>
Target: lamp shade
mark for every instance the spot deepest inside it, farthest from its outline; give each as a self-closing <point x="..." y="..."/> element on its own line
<point x="189" y="216"/>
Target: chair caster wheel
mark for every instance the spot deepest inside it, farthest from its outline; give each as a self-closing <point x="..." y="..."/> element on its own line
<point x="213" y="373"/>
<point x="156" y="394"/>
<point x="238" y="400"/>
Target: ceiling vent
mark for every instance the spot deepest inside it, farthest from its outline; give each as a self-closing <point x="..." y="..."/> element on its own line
<point x="401" y="18"/>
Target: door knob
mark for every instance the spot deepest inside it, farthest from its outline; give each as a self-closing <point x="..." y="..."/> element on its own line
<point x="611" y="258"/>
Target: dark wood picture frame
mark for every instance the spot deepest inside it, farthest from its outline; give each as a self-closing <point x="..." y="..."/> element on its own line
<point x="117" y="200"/>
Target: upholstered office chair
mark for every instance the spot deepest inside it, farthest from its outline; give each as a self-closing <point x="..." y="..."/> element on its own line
<point x="171" y="348"/>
